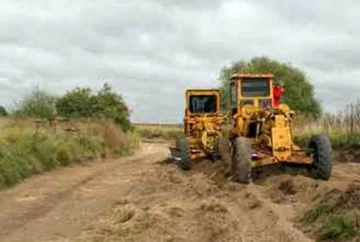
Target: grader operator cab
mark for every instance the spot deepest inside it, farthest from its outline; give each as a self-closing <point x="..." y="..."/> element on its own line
<point x="202" y="127"/>
<point x="261" y="134"/>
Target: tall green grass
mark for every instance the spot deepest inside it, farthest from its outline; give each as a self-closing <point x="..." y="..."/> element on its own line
<point x="329" y="223"/>
<point x="343" y="127"/>
<point x="338" y="139"/>
<point x="25" y="150"/>
<point x="168" y="133"/>
<point x="338" y="228"/>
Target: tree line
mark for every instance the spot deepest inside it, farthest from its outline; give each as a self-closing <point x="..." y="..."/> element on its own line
<point x="80" y="102"/>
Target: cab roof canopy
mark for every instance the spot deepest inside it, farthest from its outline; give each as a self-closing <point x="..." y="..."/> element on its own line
<point x="204" y="91"/>
<point x="249" y="75"/>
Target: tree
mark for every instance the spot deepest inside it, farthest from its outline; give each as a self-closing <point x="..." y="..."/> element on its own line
<point x="225" y="75"/>
<point x="3" y="111"/>
<point x="77" y="103"/>
<point x="83" y="103"/>
<point x="299" y="94"/>
<point x="38" y="104"/>
<point x="112" y="105"/>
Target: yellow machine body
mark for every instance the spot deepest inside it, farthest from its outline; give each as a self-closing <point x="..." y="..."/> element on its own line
<point x="203" y="122"/>
<point x="269" y="128"/>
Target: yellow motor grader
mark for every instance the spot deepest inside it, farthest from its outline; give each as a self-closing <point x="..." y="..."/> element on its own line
<point x="202" y="127"/>
<point x="261" y="134"/>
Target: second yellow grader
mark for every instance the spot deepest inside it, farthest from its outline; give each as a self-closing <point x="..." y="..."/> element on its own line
<point x="260" y="134"/>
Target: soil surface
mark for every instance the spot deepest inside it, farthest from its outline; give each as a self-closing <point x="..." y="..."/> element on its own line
<point x="147" y="198"/>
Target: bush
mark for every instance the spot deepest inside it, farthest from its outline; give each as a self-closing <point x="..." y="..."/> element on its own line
<point x="83" y="103"/>
<point x="112" y="106"/>
<point x="3" y="111"/>
<point x="316" y="212"/>
<point x="38" y="104"/>
<point x="339" y="227"/>
<point x="77" y="103"/>
<point x="25" y="151"/>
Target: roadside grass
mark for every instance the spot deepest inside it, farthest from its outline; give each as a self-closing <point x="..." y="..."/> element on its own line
<point x="327" y="224"/>
<point x="337" y="228"/>
<point x="316" y="212"/>
<point x="343" y="127"/>
<point x="26" y="150"/>
<point x="335" y="217"/>
<point x="167" y="132"/>
<point x="302" y="134"/>
<point x="338" y="139"/>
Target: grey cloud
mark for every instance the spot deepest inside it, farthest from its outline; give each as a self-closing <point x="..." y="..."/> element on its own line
<point x="151" y="51"/>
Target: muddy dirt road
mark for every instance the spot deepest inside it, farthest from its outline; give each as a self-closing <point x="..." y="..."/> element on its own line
<point x="146" y="198"/>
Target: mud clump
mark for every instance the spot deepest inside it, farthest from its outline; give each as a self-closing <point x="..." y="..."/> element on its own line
<point x="349" y="155"/>
<point x="288" y="187"/>
<point x="215" y="171"/>
<point x="176" y="212"/>
<point x="213" y="205"/>
<point x="252" y="202"/>
<point x="350" y="199"/>
<point x="201" y="186"/>
<point x="125" y="215"/>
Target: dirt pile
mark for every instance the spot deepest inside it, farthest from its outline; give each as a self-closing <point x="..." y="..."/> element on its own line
<point x="170" y="205"/>
<point x="287" y="188"/>
<point x="351" y="154"/>
<point x="177" y="210"/>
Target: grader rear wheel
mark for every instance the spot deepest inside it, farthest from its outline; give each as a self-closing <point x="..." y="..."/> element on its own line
<point x="241" y="160"/>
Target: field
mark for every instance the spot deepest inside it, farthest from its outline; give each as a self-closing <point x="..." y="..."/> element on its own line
<point x="130" y="190"/>
<point x="159" y="131"/>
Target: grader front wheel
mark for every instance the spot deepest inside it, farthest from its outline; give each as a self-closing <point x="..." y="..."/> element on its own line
<point x="241" y="160"/>
<point x="321" y="152"/>
<point x="184" y="162"/>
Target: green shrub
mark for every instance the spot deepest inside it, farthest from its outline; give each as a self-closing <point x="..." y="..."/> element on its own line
<point x="313" y="214"/>
<point x="83" y="103"/>
<point x="37" y="104"/>
<point x="25" y="151"/>
<point x="328" y="223"/>
<point x="3" y="111"/>
<point x="339" y="227"/>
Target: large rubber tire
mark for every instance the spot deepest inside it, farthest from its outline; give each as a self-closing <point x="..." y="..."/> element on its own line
<point x="184" y="162"/>
<point x="241" y="160"/>
<point x="321" y="150"/>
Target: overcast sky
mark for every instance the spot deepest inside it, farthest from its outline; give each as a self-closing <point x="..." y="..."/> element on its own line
<point x="152" y="50"/>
